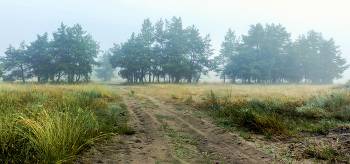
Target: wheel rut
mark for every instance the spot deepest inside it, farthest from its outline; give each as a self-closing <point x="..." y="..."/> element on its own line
<point x="210" y="138"/>
<point x="166" y="135"/>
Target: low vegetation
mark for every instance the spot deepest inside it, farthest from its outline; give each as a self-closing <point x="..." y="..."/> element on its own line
<point x="283" y="114"/>
<point x="268" y="110"/>
<point x="53" y="123"/>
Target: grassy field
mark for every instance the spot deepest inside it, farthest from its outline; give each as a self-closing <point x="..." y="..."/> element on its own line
<point x="232" y="91"/>
<point x="291" y="113"/>
<point x="267" y="109"/>
<point x="54" y="123"/>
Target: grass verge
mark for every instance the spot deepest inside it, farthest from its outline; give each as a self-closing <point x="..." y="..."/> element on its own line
<point x="54" y="123"/>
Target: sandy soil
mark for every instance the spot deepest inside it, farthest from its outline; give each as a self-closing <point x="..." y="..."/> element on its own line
<point x="167" y="135"/>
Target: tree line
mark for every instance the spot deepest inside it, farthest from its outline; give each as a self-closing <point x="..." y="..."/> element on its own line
<point x="266" y="54"/>
<point x="163" y="50"/>
<point x="69" y="55"/>
<point x="168" y="52"/>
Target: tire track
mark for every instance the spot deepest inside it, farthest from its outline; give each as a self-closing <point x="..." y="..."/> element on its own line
<point x="211" y="138"/>
<point x="146" y="146"/>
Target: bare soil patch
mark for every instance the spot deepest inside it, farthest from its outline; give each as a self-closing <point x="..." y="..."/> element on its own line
<point x="165" y="134"/>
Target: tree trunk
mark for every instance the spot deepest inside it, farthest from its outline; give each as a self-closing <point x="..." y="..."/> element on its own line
<point x="24" y="80"/>
<point x="58" y="77"/>
<point x="149" y="77"/>
<point x="198" y="78"/>
<point x="189" y="80"/>
<point x="78" y="78"/>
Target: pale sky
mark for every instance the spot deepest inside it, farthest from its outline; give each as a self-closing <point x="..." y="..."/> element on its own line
<point x="111" y="21"/>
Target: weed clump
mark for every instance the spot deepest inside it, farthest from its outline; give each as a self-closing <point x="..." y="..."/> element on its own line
<point x="282" y="115"/>
<point x="47" y="124"/>
<point x="322" y="150"/>
<point x="173" y="95"/>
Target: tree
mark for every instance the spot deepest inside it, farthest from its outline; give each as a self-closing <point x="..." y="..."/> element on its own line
<point x="171" y="51"/>
<point x="228" y="49"/>
<point x="41" y="62"/>
<point x="15" y="61"/>
<point x="75" y="53"/>
<point x="240" y="65"/>
<point x="320" y="59"/>
<point x="129" y="57"/>
<point x="198" y="53"/>
<point x="160" y="58"/>
<point x="333" y="65"/>
<point x="261" y="54"/>
<point x="291" y="65"/>
<point x="278" y="43"/>
<point x="147" y="37"/>
<point x="177" y="65"/>
<point x="105" y="72"/>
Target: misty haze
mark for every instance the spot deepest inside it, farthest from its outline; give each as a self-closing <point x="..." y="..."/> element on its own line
<point x="174" y="81"/>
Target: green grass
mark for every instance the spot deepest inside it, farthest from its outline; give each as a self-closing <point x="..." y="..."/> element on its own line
<point x="323" y="150"/>
<point x="52" y="124"/>
<point x="160" y="117"/>
<point x="201" y="114"/>
<point x="245" y="135"/>
<point x="180" y="108"/>
<point x="282" y="115"/>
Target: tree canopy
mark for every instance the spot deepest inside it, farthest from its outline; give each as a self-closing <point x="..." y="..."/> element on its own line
<point x="105" y="72"/>
<point x="166" y="50"/>
<point x="267" y="54"/>
<point x="70" y="54"/>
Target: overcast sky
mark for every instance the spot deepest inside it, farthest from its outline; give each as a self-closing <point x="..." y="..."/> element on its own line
<point x="113" y="21"/>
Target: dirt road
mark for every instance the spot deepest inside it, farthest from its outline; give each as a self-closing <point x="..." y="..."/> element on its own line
<point x="167" y="134"/>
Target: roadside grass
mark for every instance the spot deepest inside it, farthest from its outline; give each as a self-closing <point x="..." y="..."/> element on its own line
<point x="266" y="109"/>
<point x="283" y="115"/>
<point x="287" y="116"/>
<point x="160" y="117"/>
<point x="54" y="123"/>
<point x="324" y="150"/>
<point x="231" y="91"/>
<point x="269" y="110"/>
<point x="180" y="108"/>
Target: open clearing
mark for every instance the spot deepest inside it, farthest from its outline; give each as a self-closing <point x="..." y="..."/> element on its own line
<point x="174" y="123"/>
<point x="166" y="134"/>
<point x="169" y="129"/>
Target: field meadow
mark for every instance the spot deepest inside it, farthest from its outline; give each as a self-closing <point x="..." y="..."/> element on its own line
<point x="271" y="109"/>
<point x="53" y="123"/>
<point x="237" y="91"/>
<point x="44" y="123"/>
<point x="290" y="112"/>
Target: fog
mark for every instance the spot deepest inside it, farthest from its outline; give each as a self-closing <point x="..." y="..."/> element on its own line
<point x="113" y="21"/>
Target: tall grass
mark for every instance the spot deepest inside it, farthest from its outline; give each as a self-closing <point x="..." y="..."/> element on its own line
<point x="48" y="124"/>
<point x="232" y="91"/>
<point x="282" y="114"/>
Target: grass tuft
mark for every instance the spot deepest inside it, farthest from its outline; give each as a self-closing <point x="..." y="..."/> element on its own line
<point x="54" y="123"/>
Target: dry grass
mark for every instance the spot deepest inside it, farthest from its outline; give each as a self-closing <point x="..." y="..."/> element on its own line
<point x="52" y="123"/>
<point x="234" y="92"/>
<point x="269" y="109"/>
